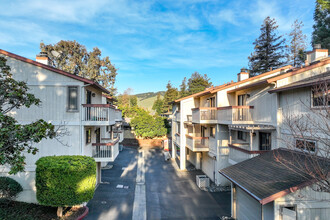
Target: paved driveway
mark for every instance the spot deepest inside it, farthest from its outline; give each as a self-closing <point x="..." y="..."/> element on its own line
<point x="170" y="194"/>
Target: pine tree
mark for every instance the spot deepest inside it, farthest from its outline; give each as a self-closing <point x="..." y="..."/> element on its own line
<point x="158" y="104"/>
<point x="183" y="88"/>
<point x="297" y="44"/>
<point x="198" y="82"/>
<point x="321" y="33"/>
<point x="170" y="95"/>
<point x="268" y="49"/>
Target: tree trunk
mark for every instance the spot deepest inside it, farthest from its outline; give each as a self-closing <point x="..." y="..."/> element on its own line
<point x="59" y="211"/>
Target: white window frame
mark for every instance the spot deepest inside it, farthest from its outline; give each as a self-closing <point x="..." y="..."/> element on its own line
<point x="305" y="140"/>
<point x="68" y="99"/>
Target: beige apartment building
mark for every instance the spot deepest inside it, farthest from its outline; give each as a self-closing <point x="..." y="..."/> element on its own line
<point x="221" y="127"/>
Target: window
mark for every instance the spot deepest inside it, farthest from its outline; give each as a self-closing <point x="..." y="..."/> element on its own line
<point x="307" y="145"/>
<point x="72" y="98"/>
<point x="212" y="132"/>
<point x="241" y="135"/>
<point x="321" y="95"/>
<point x="264" y="141"/>
<point x="88" y="136"/>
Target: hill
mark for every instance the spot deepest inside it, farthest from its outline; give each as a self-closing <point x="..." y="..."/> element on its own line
<point x="146" y="100"/>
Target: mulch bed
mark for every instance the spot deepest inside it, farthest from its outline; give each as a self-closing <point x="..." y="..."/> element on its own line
<point x="12" y="210"/>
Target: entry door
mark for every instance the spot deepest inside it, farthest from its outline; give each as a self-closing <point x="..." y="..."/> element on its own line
<point x="241" y="101"/>
<point x="203" y="133"/>
<point x="88" y="101"/>
<point x="264" y="141"/>
<point x="98" y="135"/>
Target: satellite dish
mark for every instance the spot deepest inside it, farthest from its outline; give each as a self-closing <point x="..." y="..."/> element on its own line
<point x="55" y="53"/>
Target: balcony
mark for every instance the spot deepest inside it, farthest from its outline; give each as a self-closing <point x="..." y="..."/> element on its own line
<point x="107" y="151"/>
<point x="235" y="115"/>
<point x="119" y="134"/>
<point x="197" y="144"/>
<point x="98" y="114"/>
<point x="241" y="152"/>
<point x="204" y="115"/>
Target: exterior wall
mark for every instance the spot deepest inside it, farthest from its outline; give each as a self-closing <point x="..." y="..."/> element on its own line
<point x="309" y="203"/>
<point x="185" y="109"/>
<point x="52" y="89"/>
<point x="247" y="208"/>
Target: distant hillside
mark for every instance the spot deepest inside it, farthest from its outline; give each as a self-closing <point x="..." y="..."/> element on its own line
<point x="146" y="100"/>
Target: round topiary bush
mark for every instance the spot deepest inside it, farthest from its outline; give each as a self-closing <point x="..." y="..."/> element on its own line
<point x="9" y="188"/>
<point x="65" y="180"/>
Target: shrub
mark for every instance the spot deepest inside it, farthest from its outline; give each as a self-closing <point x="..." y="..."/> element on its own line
<point x="65" y="180"/>
<point x="9" y="188"/>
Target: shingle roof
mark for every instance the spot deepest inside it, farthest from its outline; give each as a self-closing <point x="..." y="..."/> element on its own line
<point x="267" y="178"/>
<point x="44" y="66"/>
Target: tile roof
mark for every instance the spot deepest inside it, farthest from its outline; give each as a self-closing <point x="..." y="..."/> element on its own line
<point x="53" y="69"/>
<point x="266" y="177"/>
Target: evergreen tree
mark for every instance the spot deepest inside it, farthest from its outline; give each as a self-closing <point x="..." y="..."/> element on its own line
<point x="268" y="49"/>
<point x="170" y="95"/>
<point x="74" y="58"/>
<point x="158" y="105"/>
<point x="321" y="33"/>
<point x="297" y="44"/>
<point x="183" y="88"/>
<point x="198" y="82"/>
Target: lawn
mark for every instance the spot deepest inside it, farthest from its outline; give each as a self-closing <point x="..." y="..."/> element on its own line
<point x="29" y="211"/>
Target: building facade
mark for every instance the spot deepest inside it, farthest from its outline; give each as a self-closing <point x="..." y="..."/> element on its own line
<point x="90" y="125"/>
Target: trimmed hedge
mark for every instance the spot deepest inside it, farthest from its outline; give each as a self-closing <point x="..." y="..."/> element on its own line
<point x="65" y="180"/>
<point x="9" y="188"/>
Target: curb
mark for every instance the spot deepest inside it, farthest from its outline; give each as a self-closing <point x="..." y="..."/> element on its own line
<point x="84" y="214"/>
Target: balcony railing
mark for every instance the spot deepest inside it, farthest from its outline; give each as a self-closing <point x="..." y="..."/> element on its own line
<point x="189" y="118"/>
<point x="235" y="114"/>
<point x="177" y="138"/>
<point x="204" y="114"/>
<point x="104" y="150"/>
<point x="98" y="112"/>
<point x="241" y="152"/>
<point x="118" y="115"/>
<point x="197" y="143"/>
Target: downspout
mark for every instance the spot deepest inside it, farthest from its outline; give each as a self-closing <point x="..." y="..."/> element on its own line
<point x="81" y="119"/>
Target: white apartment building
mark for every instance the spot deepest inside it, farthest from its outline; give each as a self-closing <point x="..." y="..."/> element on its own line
<point x="223" y="126"/>
<point x="92" y="123"/>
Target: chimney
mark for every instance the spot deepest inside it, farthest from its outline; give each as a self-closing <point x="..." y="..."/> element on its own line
<point x="242" y="75"/>
<point x="42" y="58"/>
<point x="316" y="54"/>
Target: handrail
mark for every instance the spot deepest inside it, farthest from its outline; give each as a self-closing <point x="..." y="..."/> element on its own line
<point x="99" y="105"/>
<point x="247" y="151"/>
<point x="236" y="106"/>
<point x="178" y="134"/>
<point x="204" y="108"/>
<point x="107" y="144"/>
<point x="196" y="138"/>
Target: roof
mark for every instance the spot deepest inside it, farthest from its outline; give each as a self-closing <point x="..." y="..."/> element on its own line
<point x="266" y="177"/>
<point x="325" y="77"/>
<point x="53" y="69"/>
<point x="259" y="83"/>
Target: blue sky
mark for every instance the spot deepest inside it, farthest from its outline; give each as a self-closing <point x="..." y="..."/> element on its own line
<point x="152" y="42"/>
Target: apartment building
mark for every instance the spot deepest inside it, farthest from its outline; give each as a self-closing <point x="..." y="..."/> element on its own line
<point x="91" y="123"/>
<point x="233" y="126"/>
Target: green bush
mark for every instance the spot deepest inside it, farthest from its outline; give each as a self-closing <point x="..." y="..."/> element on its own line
<point x="9" y="188"/>
<point x="65" y="180"/>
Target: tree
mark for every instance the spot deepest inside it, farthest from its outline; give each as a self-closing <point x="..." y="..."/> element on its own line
<point x="17" y="138"/>
<point x="183" y="88"/>
<point x="74" y="58"/>
<point x="170" y="95"/>
<point x="198" y="83"/>
<point x="297" y="44"/>
<point x="268" y="49"/>
<point x="133" y="100"/>
<point x="305" y="129"/>
<point x="321" y="33"/>
<point x="158" y="104"/>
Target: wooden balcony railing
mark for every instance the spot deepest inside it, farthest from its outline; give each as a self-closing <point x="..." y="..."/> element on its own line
<point x="204" y="113"/>
<point x="104" y="150"/>
<point x="197" y="143"/>
<point x="235" y="113"/>
<point x="98" y="112"/>
<point x="242" y="151"/>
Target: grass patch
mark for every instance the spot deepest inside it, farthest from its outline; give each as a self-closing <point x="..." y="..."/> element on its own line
<point x="12" y="210"/>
